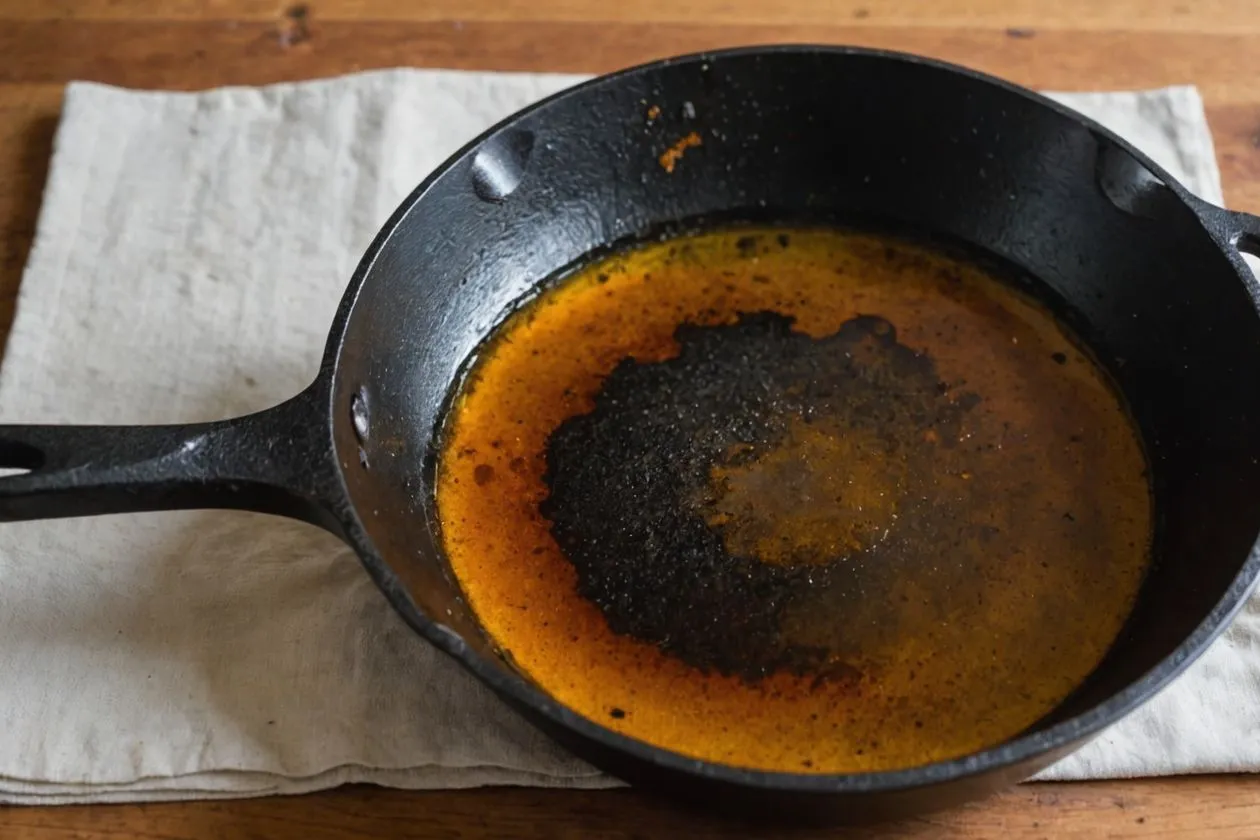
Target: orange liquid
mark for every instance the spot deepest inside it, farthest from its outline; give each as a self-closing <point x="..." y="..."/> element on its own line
<point x="946" y="644"/>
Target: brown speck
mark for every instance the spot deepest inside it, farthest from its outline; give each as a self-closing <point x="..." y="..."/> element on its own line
<point x="617" y="713"/>
<point x="1069" y="517"/>
<point x="294" y="27"/>
<point x="861" y="13"/>
<point x="251" y="381"/>
<point x="1020" y="32"/>
<point x="807" y="763"/>
<point x="784" y="240"/>
<point x="1141" y="820"/>
<point x="517" y="465"/>
<point x="483" y="474"/>
<point x="670" y="157"/>
<point x="601" y="278"/>
<point x="1059" y="358"/>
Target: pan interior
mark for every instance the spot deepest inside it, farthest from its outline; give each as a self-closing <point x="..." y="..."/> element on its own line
<point x="797" y="499"/>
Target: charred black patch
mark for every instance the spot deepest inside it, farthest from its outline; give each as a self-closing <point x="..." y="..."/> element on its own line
<point x="713" y="504"/>
<point x="747" y="246"/>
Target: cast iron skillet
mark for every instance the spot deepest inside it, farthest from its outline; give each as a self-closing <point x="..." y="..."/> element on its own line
<point x="1149" y="275"/>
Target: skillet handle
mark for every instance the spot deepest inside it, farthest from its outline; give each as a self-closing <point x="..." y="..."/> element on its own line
<point x="277" y="461"/>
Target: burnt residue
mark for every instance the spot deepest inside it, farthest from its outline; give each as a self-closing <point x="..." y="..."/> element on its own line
<point x="670" y="157"/>
<point x="939" y="602"/>
<point x="709" y="498"/>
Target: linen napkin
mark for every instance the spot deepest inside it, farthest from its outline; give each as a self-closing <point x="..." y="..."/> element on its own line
<point x="191" y="250"/>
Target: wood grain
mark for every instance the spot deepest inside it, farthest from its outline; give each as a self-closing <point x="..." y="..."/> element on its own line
<point x="202" y="54"/>
<point x="28" y="119"/>
<point x="1221" y="808"/>
<point x="188" y="44"/>
<point x="1233" y="16"/>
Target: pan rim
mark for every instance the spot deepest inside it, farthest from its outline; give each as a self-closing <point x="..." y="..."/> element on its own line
<point x="1049" y="744"/>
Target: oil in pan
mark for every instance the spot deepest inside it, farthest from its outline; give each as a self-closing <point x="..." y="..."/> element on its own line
<point x="803" y="500"/>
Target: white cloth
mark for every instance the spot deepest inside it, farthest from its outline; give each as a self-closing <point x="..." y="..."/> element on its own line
<point x="191" y="250"/>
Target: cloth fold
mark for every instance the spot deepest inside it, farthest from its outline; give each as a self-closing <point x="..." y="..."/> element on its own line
<point x="190" y="253"/>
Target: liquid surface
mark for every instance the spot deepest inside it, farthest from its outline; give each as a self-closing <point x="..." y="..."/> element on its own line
<point x="797" y="500"/>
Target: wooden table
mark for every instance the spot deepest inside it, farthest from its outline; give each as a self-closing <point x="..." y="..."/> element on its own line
<point x="1049" y="44"/>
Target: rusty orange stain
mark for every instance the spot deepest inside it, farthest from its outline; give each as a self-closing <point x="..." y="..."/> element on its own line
<point x="952" y="656"/>
<point x="653" y="112"/>
<point x="670" y="157"/>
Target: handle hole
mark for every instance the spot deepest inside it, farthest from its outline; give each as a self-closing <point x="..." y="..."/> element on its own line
<point x="1248" y="245"/>
<point x="19" y="458"/>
